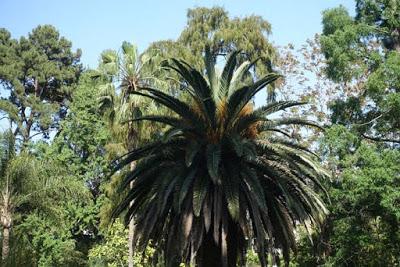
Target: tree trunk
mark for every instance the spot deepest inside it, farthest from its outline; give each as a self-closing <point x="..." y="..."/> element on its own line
<point x="6" y="222"/>
<point x="210" y="252"/>
<point x="233" y="242"/>
<point x="131" y="227"/>
<point x="6" y="243"/>
<point x="130" y="240"/>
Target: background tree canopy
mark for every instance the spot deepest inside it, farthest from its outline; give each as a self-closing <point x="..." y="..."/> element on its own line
<point x="39" y="72"/>
<point x="363" y="55"/>
<point x="214" y="30"/>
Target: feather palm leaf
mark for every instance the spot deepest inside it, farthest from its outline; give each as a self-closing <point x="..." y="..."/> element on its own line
<point x="223" y="174"/>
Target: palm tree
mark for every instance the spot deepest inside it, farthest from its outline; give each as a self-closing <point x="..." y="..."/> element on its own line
<point x="126" y="73"/>
<point x="223" y="175"/>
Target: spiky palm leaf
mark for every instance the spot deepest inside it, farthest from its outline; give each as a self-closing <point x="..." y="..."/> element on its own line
<point x="125" y="73"/>
<point x="224" y="173"/>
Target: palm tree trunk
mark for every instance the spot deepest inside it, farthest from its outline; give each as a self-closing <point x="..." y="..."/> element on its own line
<point x="6" y="222"/>
<point x="210" y="252"/>
<point x="130" y="239"/>
<point x="131" y="227"/>
<point x="6" y="243"/>
<point x="233" y="242"/>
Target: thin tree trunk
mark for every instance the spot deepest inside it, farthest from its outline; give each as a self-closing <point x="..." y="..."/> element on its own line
<point x="6" y="221"/>
<point x="131" y="227"/>
<point x="6" y="243"/>
<point x="130" y="238"/>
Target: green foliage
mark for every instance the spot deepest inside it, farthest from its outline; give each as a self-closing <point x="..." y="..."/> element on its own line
<point x="55" y="217"/>
<point x="33" y="195"/>
<point x="383" y="86"/>
<point x="40" y="72"/>
<point x="335" y="19"/>
<point x="385" y="15"/>
<point x="80" y="143"/>
<point x="367" y="218"/>
<point x="78" y="149"/>
<point x="113" y="251"/>
<point x="218" y="162"/>
<point x="51" y="243"/>
<point x="337" y="149"/>
<point x="342" y="45"/>
<point x="363" y="54"/>
<point x="213" y="30"/>
<point x="363" y="226"/>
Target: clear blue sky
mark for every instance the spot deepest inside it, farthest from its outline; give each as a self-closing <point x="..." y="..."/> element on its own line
<point x="95" y="25"/>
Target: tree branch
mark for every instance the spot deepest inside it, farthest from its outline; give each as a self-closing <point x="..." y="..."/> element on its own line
<point x="41" y="132"/>
<point x="374" y="119"/>
<point x="379" y="139"/>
